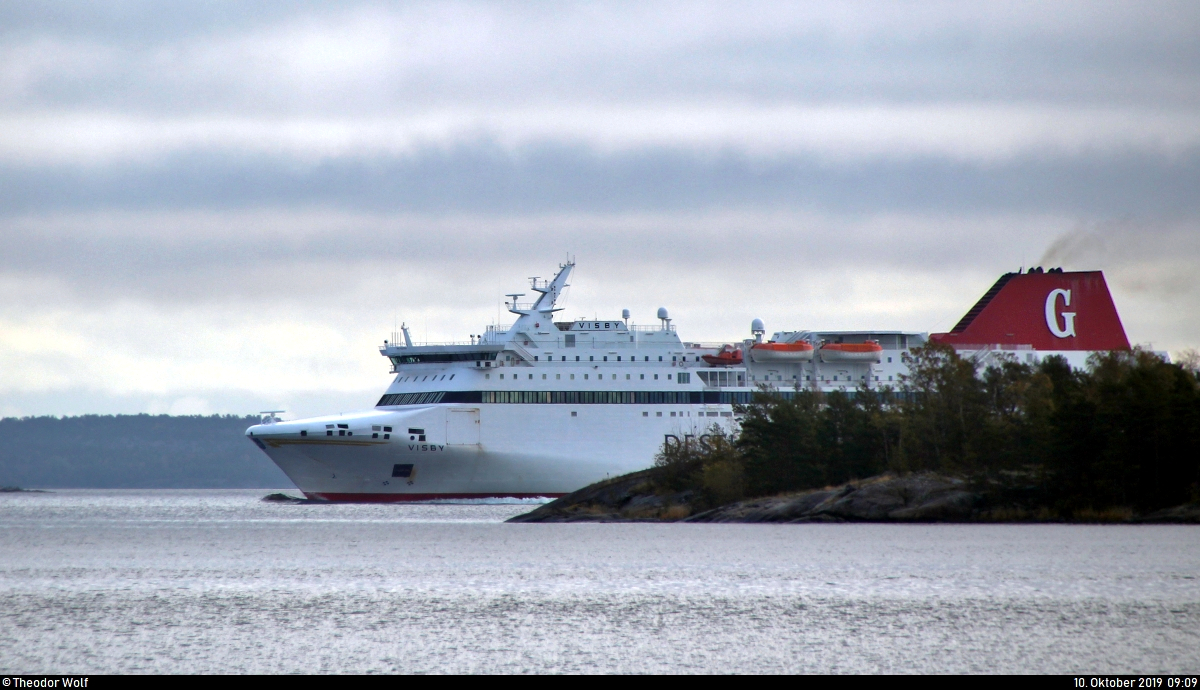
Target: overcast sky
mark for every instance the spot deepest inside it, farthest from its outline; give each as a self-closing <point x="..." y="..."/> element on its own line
<point x="225" y="206"/>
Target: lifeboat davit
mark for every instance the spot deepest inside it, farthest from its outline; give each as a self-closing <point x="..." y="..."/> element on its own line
<point x="728" y="356"/>
<point x="798" y="351"/>
<point x="869" y="351"/>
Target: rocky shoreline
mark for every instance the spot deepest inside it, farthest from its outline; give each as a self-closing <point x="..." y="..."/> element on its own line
<point x="924" y="497"/>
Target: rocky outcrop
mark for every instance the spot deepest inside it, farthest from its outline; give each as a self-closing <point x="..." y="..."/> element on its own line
<point x="628" y="498"/>
<point x="888" y="498"/>
<point x="1188" y="514"/>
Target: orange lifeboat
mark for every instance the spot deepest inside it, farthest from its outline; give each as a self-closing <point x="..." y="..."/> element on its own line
<point x="798" y="351"/>
<point x="869" y="351"/>
<point x="728" y="356"/>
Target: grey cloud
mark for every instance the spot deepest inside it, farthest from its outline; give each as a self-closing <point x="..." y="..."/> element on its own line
<point x="485" y="178"/>
<point x="381" y="58"/>
<point x="324" y="257"/>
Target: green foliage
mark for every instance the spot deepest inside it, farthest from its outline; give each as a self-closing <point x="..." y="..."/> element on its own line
<point x="1123" y="433"/>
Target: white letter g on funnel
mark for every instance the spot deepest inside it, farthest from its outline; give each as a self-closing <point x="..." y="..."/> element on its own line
<point x="1068" y="328"/>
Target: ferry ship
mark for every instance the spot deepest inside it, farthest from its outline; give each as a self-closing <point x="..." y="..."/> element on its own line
<point x="542" y="407"/>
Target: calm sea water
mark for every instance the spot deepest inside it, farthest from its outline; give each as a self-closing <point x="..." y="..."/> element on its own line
<point x="218" y="581"/>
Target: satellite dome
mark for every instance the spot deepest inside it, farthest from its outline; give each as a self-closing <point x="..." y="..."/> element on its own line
<point x="757" y="325"/>
<point x="625" y="314"/>
<point x="662" y="312"/>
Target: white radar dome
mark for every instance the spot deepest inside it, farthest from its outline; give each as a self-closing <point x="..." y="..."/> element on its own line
<point x="757" y="325"/>
<point x="625" y="314"/>
<point x="662" y="312"/>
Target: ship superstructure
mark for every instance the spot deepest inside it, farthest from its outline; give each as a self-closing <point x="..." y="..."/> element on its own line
<point x="544" y="407"/>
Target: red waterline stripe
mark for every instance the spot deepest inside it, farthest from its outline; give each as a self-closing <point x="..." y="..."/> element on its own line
<point x="405" y="498"/>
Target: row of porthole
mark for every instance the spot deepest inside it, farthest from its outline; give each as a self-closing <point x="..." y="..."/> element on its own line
<point x="415" y="434"/>
<point x="592" y="358"/>
<point x="599" y="377"/>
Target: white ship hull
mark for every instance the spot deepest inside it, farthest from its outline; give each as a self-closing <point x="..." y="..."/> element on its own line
<point x="570" y="451"/>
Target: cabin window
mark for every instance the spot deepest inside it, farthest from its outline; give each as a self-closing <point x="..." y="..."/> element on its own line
<point x="682" y="378"/>
<point x="374" y="435"/>
<point x="643" y="377"/>
<point x="564" y="358"/>
<point x="618" y="358"/>
<point x="669" y="377"/>
<point x="626" y="377"/>
<point x="543" y="377"/>
<point x="535" y="358"/>
<point x="585" y="377"/>
<point x="557" y="376"/>
<point x="501" y="377"/>
<point x="341" y="432"/>
<point x="657" y="414"/>
<point x="645" y="414"/>
<point x="387" y="428"/>
<point x="660" y="358"/>
<point x="656" y="377"/>
<point x="672" y="414"/>
<point x="304" y="432"/>
<point x="576" y="358"/>
<point x="591" y="358"/>
<point x="531" y="377"/>
<point x="889" y="360"/>
<point x="487" y="376"/>
<point x="402" y="471"/>
<point x="574" y="414"/>
<point x="569" y="340"/>
<point x="374" y="428"/>
<point x="572" y="377"/>
<point x="343" y="426"/>
<point x="673" y="358"/>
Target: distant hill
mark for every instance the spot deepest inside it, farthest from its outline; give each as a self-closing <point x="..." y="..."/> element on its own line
<point x="134" y="452"/>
